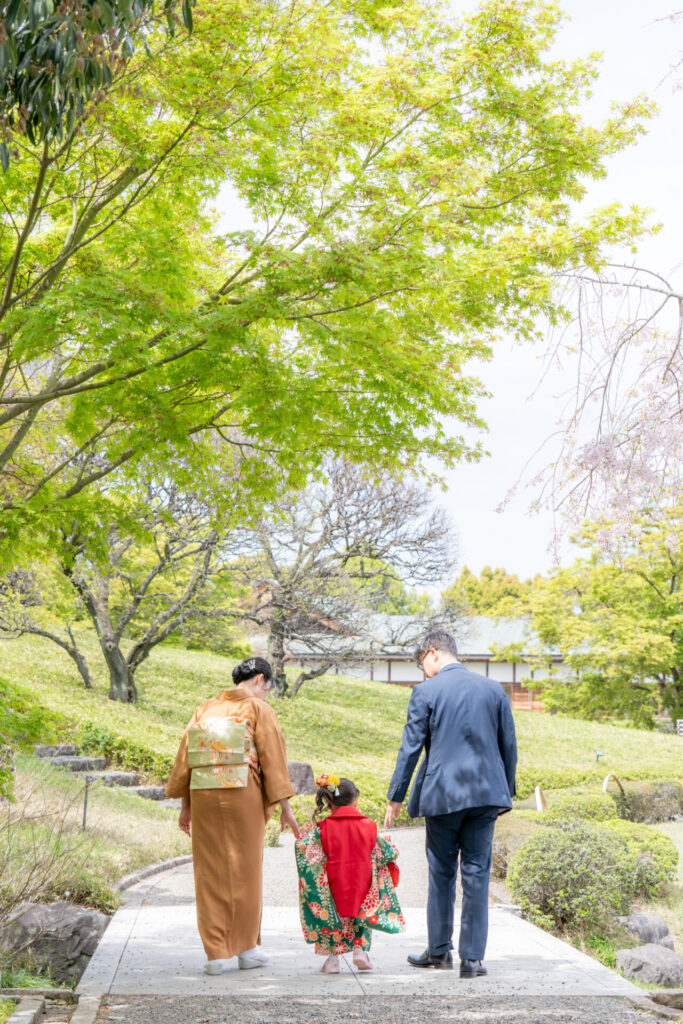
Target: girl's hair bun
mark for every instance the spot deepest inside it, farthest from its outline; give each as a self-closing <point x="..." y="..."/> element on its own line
<point x="249" y="668"/>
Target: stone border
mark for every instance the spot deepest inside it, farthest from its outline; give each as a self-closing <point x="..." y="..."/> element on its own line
<point x="152" y="869"/>
<point x="62" y="995"/>
<point x="29" y="1010"/>
<point x="644" y="1003"/>
<point x="86" y="1011"/>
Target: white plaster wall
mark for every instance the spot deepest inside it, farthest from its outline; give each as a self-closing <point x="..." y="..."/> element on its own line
<point x="501" y="671"/>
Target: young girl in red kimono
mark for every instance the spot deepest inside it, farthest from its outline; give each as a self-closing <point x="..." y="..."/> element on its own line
<point x="347" y="877"/>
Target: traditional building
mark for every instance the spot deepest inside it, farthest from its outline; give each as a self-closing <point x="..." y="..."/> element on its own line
<point x="391" y="660"/>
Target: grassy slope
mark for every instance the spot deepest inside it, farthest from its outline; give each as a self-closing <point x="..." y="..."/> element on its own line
<point x="340" y="724"/>
<point x="124" y="832"/>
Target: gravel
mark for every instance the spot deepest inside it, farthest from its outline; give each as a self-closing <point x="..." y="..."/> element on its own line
<point x="368" y="1010"/>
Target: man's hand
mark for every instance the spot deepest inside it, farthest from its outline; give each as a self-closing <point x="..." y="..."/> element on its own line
<point x="393" y="811"/>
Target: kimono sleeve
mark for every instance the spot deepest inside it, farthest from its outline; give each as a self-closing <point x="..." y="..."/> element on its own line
<point x="272" y="755"/>
<point x="384" y="852"/>
<point x="178" y="784"/>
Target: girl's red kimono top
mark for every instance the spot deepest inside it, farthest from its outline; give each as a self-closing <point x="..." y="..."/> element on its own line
<point x="348" y="839"/>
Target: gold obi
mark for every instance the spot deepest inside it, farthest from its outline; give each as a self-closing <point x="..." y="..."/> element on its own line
<point x="219" y="752"/>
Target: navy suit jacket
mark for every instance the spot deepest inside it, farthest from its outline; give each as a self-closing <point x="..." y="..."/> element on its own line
<point x="464" y="723"/>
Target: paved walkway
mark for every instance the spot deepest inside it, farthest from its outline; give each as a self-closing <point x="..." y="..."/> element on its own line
<point x="151" y="955"/>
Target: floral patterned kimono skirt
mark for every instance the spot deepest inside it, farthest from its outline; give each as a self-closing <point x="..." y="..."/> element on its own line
<point x="320" y="922"/>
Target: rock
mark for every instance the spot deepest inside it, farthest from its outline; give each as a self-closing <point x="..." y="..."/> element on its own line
<point x="56" y="750"/>
<point x="648" y="928"/>
<point x="301" y="777"/>
<point x="652" y="964"/>
<point x="674" y="997"/>
<point x="79" y="764"/>
<point x="149" y="792"/>
<point x="60" y="937"/>
<point x="114" y="778"/>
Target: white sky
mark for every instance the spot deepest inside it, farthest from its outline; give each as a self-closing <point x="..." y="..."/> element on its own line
<point x="637" y="54"/>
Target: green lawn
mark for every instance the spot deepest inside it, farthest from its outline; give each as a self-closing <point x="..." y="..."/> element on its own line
<point x="346" y="725"/>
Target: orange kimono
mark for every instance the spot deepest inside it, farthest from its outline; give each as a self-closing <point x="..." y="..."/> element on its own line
<point x="232" y="766"/>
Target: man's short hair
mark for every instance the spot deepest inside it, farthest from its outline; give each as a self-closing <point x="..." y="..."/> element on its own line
<point x="440" y="640"/>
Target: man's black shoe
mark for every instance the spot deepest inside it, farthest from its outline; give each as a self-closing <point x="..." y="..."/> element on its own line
<point x="472" y="969"/>
<point x="441" y="963"/>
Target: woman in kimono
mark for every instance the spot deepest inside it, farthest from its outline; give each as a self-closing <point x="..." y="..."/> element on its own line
<point x="231" y="772"/>
<point x="347" y="877"/>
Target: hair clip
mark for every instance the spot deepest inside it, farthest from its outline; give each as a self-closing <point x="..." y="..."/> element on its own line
<point x="330" y="782"/>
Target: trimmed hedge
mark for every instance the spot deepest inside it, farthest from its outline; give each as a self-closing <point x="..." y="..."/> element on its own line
<point x="121" y="750"/>
<point x="554" y="778"/>
<point x="653" y="858"/>
<point x="572" y="877"/>
<point x="23" y="722"/>
<point x="659" y="801"/>
<point x="579" y="807"/>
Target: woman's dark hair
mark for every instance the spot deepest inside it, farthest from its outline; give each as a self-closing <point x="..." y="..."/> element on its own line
<point x="326" y="798"/>
<point x="249" y="668"/>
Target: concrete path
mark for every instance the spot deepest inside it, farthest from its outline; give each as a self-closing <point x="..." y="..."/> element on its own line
<point x="152" y="948"/>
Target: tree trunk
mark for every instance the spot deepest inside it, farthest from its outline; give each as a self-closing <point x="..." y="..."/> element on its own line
<point x="81" y="663"/>
<point x="71" y="649"/>
<point x="121" y="683"/>
<point x="303" y="677"/>
<point x="276" y="653"/>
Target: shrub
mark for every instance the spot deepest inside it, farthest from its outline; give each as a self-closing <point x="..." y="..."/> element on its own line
<point x="555" y="778"/>
<point x="572" y="877"/>
<point x="500" y="858"/>
<point x="121" y="750"/>
<point x="579" y="807"/>
<point x="23" y="722"/>
<point x="660" y="801"/>
<point x="85" y="890"/>
<point x="652" y="857"/>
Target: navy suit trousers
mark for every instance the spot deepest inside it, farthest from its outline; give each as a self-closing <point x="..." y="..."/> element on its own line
<point x="469" y="834"/>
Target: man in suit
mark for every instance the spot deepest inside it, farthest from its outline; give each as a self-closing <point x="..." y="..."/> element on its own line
<point x="464" y="724"/>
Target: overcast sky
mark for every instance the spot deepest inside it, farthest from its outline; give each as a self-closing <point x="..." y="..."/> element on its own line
<point x="638" y="52"/>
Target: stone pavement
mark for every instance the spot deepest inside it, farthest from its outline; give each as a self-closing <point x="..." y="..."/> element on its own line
<point x="149" y="963"/>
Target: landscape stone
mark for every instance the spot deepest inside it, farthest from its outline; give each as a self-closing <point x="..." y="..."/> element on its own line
<point x="79" y="764"/>
<point x="673" y="997"/>
<point x="56" y="750"/>
<point x="648" y="928"/>
<point x="114" y="778"/>
<point x="301" y="777"/>
<point x="60" y="937"/>
<point x="149" y="792"/>
<point x="653" y="964"/>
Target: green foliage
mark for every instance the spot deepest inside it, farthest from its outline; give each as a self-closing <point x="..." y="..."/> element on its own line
<point x="579" y="807"/>
<point x="52" y="62"/>
<point x="124" y="751"/>
<point x="86" y="889"/>
<point x="653" y="858"/>
<point x="23" y="722"/>
<point x="7" y="1006"/>
<point x="419" y="176"/>
<point x="575" y="877"/>
<point x="617" y="618"/>
<point x="493" y="592"/>
<point x="660" y="801"/>
<point x="272" y="837"/>
<point x="603" y="949"/>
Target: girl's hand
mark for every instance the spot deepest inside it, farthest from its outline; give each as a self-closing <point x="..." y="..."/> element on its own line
<point x="287" y="818"/>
